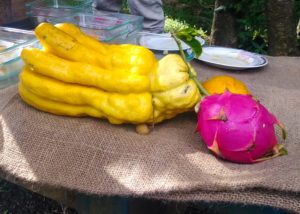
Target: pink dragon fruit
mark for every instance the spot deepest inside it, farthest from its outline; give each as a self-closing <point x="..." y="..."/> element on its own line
<point x="238" y="128"/>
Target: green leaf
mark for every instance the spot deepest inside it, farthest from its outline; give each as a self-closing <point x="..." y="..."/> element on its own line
<point x="188" y="36"/>
<point x="195" y="45"/>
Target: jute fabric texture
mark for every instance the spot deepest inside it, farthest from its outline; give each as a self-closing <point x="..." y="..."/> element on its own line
<point x="92" y="156"/>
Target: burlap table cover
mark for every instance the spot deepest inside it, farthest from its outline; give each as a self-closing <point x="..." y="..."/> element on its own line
<point x="92" y="156"/>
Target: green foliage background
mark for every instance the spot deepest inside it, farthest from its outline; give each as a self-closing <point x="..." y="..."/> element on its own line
<point x="195" y="13"/>
<point x="251" y="19"/>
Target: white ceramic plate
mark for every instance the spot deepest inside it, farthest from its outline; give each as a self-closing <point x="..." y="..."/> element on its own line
<point x="231" y="58"/>
<point x="162" y="42"/>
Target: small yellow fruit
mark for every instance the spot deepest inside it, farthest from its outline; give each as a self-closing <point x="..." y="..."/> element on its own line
<point x="142" y="129"/>
<point x="218" y="85"/>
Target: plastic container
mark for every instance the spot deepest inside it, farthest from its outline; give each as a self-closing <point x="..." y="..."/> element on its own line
<point x="41" y="10"/>
<point x="107" y="27"/>
<point x="12" y="41"/>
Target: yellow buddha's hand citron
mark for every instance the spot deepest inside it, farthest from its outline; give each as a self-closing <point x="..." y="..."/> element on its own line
<point x="76" y="75"/>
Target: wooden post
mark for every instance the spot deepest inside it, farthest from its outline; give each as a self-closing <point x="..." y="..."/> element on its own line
<point x="12" y="11"/>
<point x="5" y="11"/>
<point x="281" y="27"/>
<point x="224" y="29"/>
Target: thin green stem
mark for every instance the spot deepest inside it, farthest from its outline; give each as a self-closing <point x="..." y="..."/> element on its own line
<point x="191" y="75"/>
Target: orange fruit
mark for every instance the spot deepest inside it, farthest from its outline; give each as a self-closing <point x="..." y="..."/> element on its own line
<point x="219" y="84"/>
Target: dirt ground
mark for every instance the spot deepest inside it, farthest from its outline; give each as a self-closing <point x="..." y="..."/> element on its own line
<point x="16" y="200"/>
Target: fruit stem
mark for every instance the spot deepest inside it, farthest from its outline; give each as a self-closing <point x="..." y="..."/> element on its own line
<point x="277" y="151"/>
<point x="284" y="132"/>
<point x="191" y="75"/>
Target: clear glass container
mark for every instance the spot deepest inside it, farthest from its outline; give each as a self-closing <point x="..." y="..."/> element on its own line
<point x="106" y="27"/>
<point x="41" y="10"/>
<point x="12" y="42"/>
<point x="134" y="24"/>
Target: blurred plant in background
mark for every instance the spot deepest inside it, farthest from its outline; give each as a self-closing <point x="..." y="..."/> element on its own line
<point x="197" y="13"/>
<point x="175" y="24"/>
<point x="250" y="18"/>
<point x="252" y="22"/>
